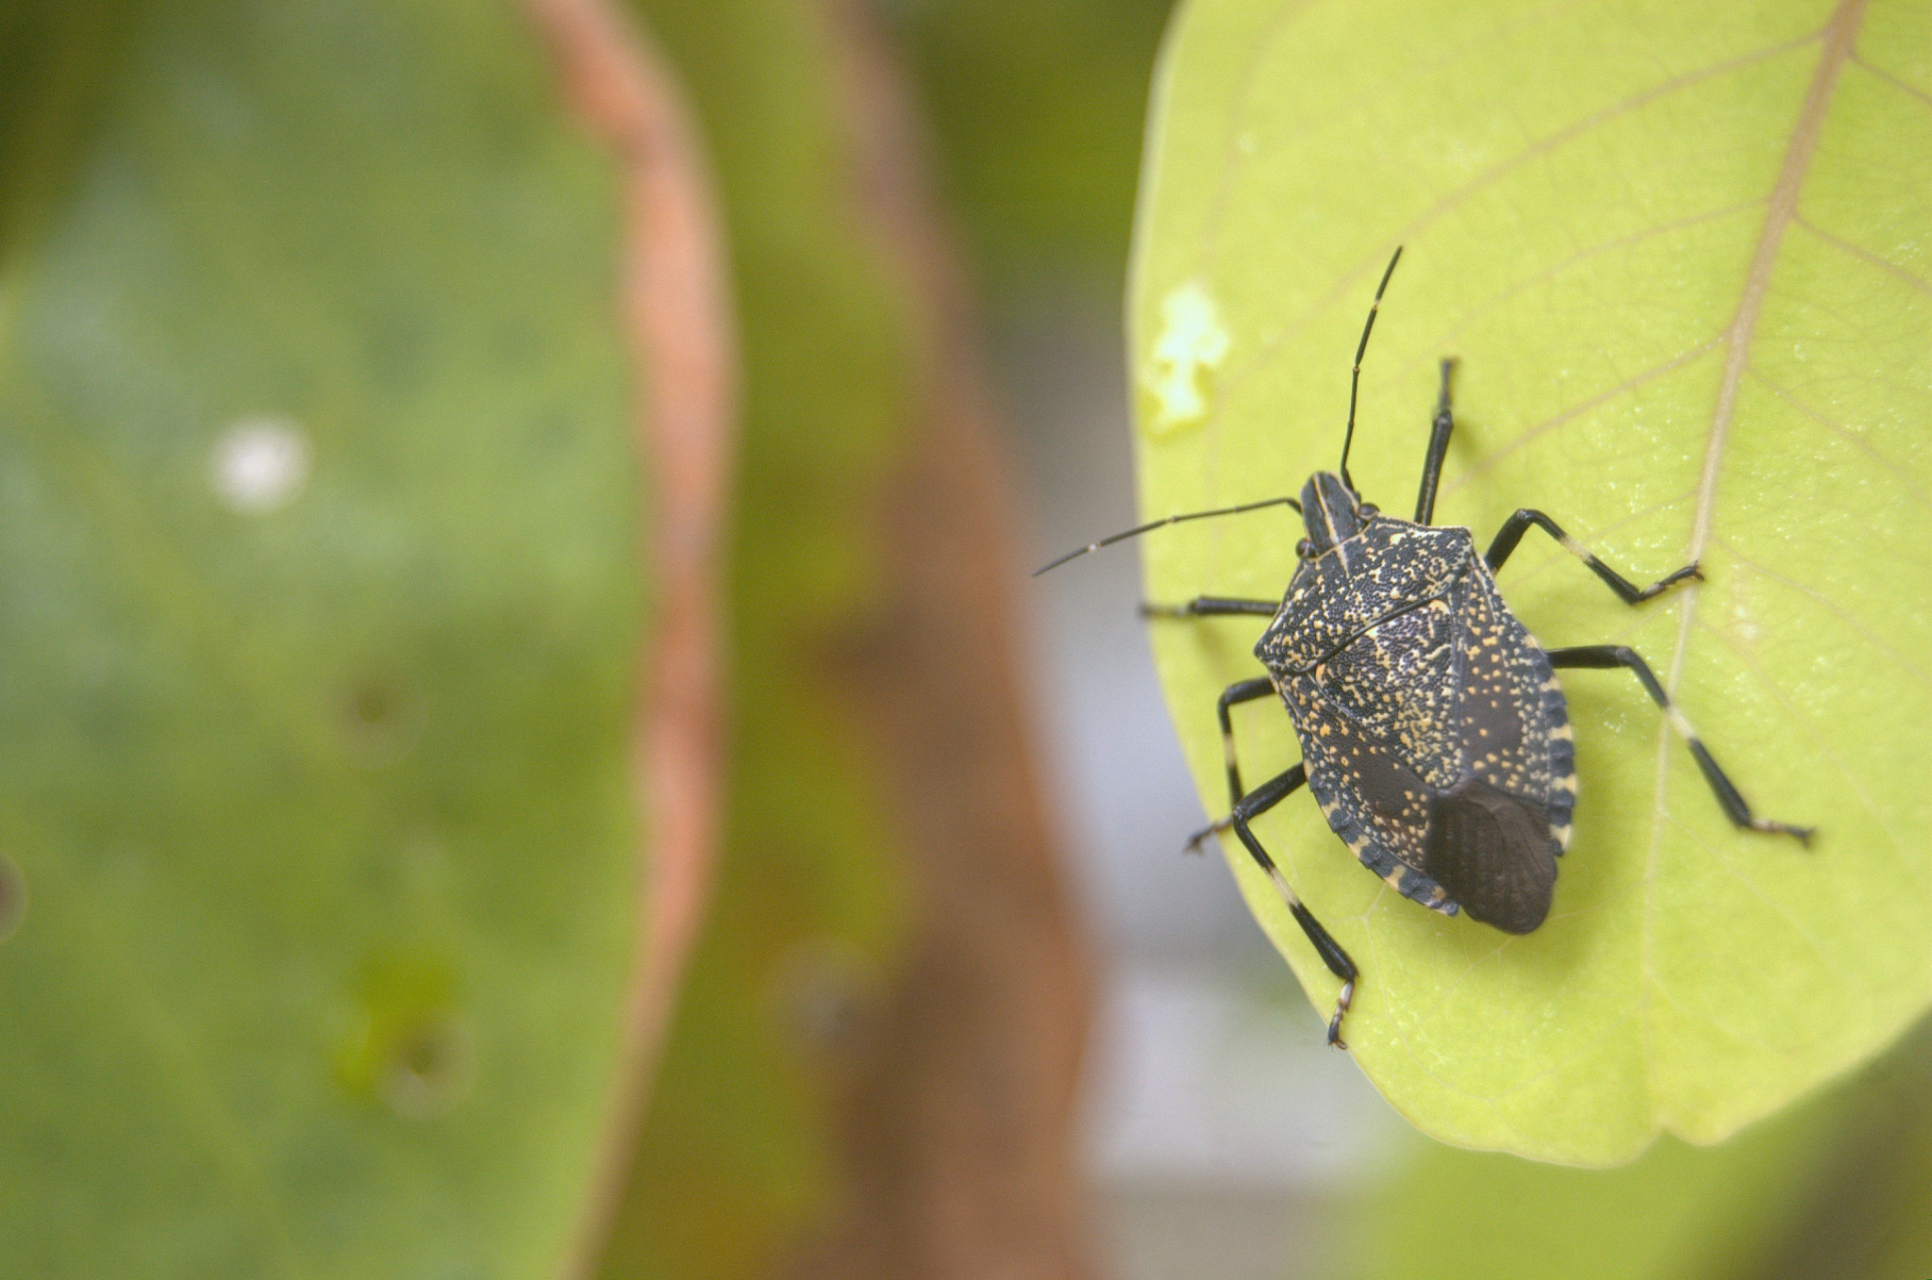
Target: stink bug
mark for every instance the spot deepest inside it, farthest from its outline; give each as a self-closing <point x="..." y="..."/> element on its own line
<point x="1434" y="734"/>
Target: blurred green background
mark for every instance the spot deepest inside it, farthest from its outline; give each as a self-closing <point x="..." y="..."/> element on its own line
<point x="320" y="625"/>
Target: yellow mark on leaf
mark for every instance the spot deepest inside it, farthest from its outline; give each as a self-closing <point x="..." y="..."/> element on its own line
<point x="1190" y="346"/>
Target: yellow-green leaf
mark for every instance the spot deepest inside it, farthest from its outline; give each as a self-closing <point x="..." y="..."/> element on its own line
<point x="1682" y="255"/>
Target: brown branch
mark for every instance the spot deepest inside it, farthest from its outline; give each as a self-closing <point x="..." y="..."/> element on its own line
<point x="675" y="294"/>
<point x="959" y="1131"/>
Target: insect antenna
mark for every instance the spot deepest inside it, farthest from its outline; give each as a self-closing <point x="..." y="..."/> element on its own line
<point x="1139" y="529"/>
<point x="1355" y="380"/>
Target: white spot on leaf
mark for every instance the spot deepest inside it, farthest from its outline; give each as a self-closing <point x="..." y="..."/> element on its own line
<point x="1190" y="346"/>
<point x="260" y="465"/>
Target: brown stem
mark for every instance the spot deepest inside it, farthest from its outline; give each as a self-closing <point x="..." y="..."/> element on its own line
<point x="959" y="1131"/>
<point x="676" y="303"/>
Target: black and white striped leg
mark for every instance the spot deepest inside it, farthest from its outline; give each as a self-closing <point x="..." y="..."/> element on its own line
<point x="1425" y="499"/>
<point x="1627" y="591"/>
<point x="1251" y="806"/>
<point x="1603" y="656"/>
<point x="1262" y="798"/>
<point x="1239" y="692"/>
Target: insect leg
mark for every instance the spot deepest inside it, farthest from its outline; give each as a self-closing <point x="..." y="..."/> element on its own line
<point x="1240" y="691"/>
<point x="1425" y="501"/>
<point x="1512" y="533"/>
<point x="1253" y="805"/>
<point x="1212" y="607"/>
<point x="1602" y="656"/>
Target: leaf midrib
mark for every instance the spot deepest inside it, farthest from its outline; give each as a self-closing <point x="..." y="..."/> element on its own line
<point x="1838" y="37"/>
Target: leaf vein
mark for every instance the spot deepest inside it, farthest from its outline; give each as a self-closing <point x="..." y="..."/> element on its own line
<point x="1863" y="255"/>
<point x="1450" y="339"/>
<point x="1910" y="91"/>
<point x="1897" y="468"/>
<point x="1916" y="672"/>
<point x="1839" y="35"/>
<point x="1483" y="464"/>
<point x="1750" y="886"/>
<point x="1824" y="748"/>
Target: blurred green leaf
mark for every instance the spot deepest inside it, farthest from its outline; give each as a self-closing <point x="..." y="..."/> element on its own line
<point x="1678" y="1211"/>
<point x="1037" y="110"/>
<point x="1682" y="258"/>
<point x="318" y="624"/>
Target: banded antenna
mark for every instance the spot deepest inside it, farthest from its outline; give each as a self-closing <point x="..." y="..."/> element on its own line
<point x="1139" y="529"/>
<point x="1355" y="379"/>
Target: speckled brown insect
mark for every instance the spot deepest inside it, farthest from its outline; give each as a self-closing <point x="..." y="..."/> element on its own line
<point x="1434" y="734"/>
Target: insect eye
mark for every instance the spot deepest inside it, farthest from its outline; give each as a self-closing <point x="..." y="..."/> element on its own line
<point x="1304" y="549"/>
<point x="1370" y="509"/>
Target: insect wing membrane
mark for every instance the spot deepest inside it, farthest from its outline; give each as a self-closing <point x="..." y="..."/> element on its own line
<point x="1492" y="852"/>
